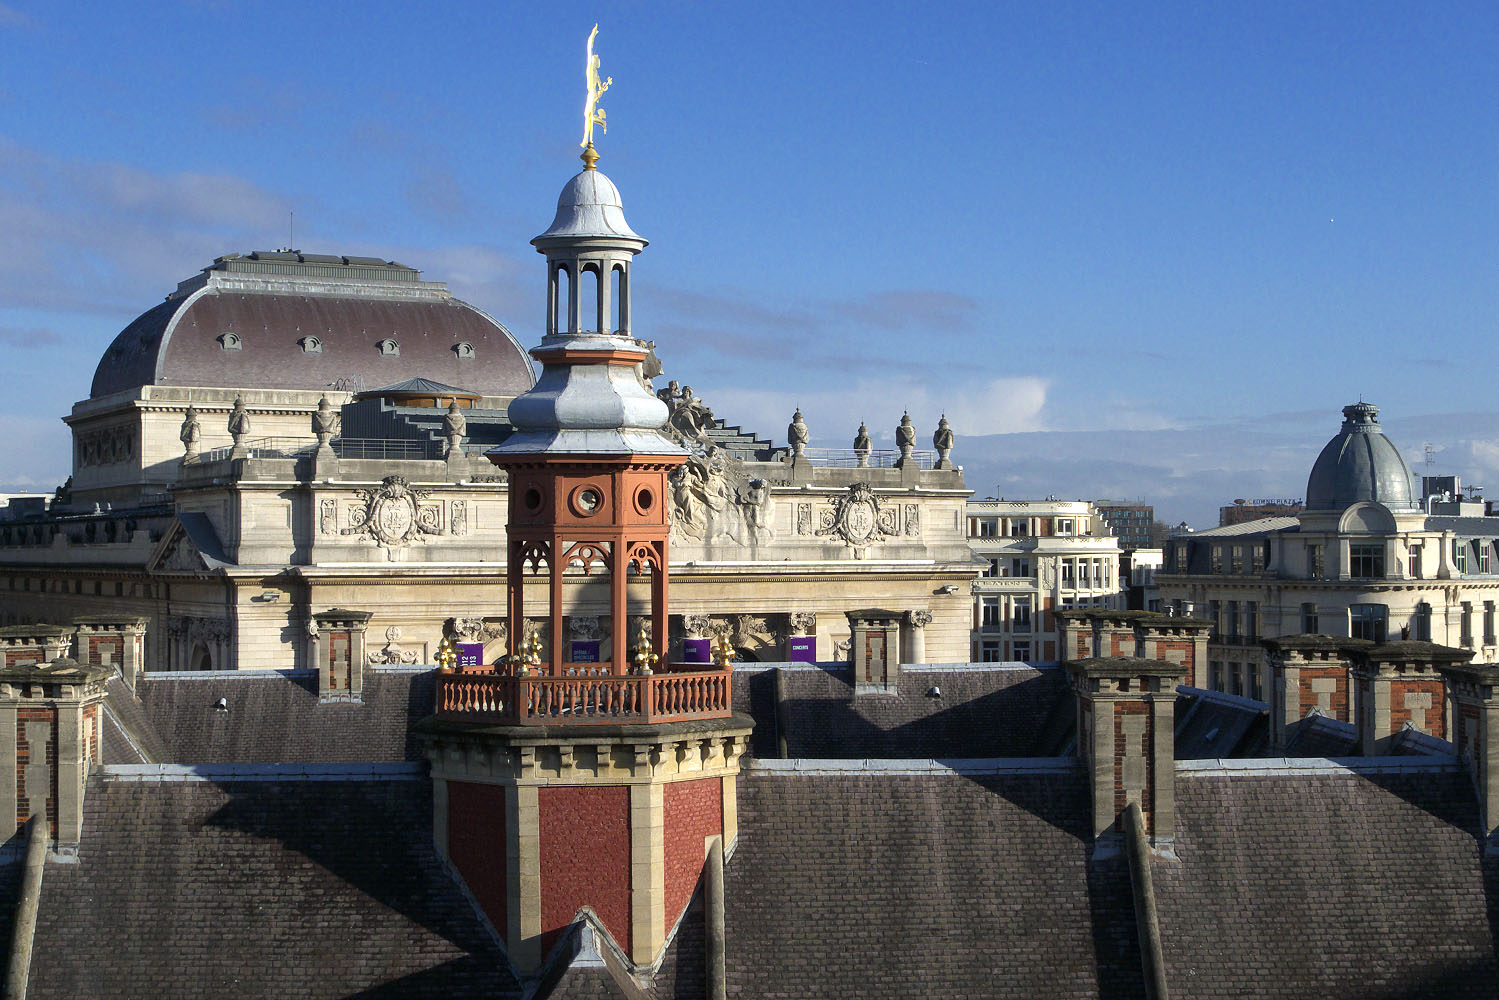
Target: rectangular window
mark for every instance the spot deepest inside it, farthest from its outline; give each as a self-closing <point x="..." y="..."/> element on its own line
<point x="1416" y="561"/>
<point x="1261" y="556"/>
<point x="1019" y="527"/>
<point x="1235" y="680"/>
<point x="1020" y="615"/>
<point x="1236" y="564"/>
<point x="1020" y="567"/>
<point x="1181" y="558"/>
<point x="1215" y="615"/>
<point x="989" y="652"/>
<point x="1064" y="526"/>
<point x="1217" y="563"/>
<point x="1316" y="565"/>
<point x="991" y="568"/>
<point x="1460" y="555"/>
<point x="1367" y="621"/>
<point x="1366" y="560"/>
<point x="1483" y="555"/>
<point x="1067" y="573"/>
<point x="1467" y="625"/>
<point x="988" y="527"/>
<point x="1422" y="622"/>
<point x="1231" y="626"/>
<point x="1256" y="689"/>
<point x="1309" y="618"/>
<point x="1215" y="675"/>
<point x="1488" y="623"/>
<point x="1251" y="621"/>
<point x="990" y="612"/>
<point x="1023" y="652"/>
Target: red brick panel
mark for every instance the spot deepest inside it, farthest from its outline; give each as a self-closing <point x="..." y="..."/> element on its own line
<point x="1147" y="794"/>
<point x="585" y="859"/>
<point x="1338" y="701"/>
<point x="693" y="811"/>
<point x="1435" y="715"/>
<point x="1188" y="656"/>
<point x="476" y="845"/>
<point x="338" y="660"/>
<point x="98" y="645"/>
<point x="25" y="795"/>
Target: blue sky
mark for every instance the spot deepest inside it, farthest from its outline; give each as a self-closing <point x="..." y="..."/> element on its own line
<point x="1200" y="228"/>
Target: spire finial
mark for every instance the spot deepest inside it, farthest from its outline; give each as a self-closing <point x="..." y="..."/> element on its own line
<point x="592" y="113"/>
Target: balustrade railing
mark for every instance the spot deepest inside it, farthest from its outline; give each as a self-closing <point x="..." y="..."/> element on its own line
<point x="586" y="698"/>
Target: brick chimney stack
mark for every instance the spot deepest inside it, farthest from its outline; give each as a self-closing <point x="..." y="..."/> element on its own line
<point x="1400" y="683"/>
<point x="1126" y="710"/>
<point x="1309" y="672"/>
<point x="1473" y="689"/>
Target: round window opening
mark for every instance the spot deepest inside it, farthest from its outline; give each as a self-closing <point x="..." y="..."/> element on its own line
<point x="644" y="499"/>
<point x="532" y="499"/>
<point x="589" y="500"/>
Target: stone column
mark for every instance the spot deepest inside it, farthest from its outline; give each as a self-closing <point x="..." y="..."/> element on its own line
<point x="50" y="718"/>
<point x="875" y="650"/>
<point x="1308" y="672"/>
<point x="916" y="623"/>
<point x="1125" y="725"/>
<point x="1400" y="684"/>
<point x="340" y="653"/>
<point x="1473" y="690"/>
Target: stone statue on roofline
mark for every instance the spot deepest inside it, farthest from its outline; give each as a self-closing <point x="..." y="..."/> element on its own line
<point x="191" y="434"/>
<point x="862" y="446"/>
<point x="797" y="435"/>
<point x="239" y="428"/>
<point x="905" y="439"/>
<point x="942" y="440"/>
<point x="454" y="426"/>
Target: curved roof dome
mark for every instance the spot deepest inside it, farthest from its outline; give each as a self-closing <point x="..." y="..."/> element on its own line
<point x="309" y="321"/>
<point x="590" y="206"/>
<point x="1359" y="464"/>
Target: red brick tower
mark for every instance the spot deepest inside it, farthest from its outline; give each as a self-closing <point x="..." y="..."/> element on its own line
<point x="586" y="777"/>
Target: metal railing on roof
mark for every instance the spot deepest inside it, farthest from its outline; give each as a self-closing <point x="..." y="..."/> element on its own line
<point x="387" y="448"/>
<point x="270" y="447"/>
<point x="846" y="458"/>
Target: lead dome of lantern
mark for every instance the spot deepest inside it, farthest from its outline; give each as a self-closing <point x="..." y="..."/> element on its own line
<point x="1360" y="464"/>
<point x="589" y="207"/>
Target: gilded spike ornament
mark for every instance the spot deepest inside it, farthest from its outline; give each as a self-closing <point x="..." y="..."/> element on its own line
<point x="644" y="657"/>
<point x="446" y="655"/>
<point x="592" y="113"/>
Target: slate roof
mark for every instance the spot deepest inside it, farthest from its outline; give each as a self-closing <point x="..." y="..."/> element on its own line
<point x="277" y="717"/>
<point x="262" y="888"/>
<point x="870" y="886"/>
<point x="1336" y="885"/>
<point x="981" y="713"/>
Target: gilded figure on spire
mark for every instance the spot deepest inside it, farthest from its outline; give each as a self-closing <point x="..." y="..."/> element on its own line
<point x="592" y="113"/>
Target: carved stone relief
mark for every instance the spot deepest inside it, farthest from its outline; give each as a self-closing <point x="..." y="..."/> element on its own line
<point x="393" y="652"/>
<point x="327" y="517"/>
<point x="804" y="519"/>
<point x="803" y="623"/>
<point x="913" y="520"/>
<point x="394" y="516"/>
<point x="858" y="517"/>
<point x="105" y="447"/>
<point x="458" y="517"/>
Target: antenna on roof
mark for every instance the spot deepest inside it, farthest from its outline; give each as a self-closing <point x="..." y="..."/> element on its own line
<point x="291" y="230"/>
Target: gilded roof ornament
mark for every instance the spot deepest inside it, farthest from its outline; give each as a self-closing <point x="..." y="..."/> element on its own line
<point x="592" y="113"/>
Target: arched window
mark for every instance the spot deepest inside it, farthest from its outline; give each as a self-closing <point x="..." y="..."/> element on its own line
<point x="563" y="307"/>
<point x="588" y="298"/>
<point x="616" y="304"/>
<point x="464" y="350"/>
<point x="311" y="345"/>
<point x="230" y="341"/>
<point x="389" y="348"/>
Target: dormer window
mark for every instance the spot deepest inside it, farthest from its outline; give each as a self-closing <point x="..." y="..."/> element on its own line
<point x="389" y="348"/>
<point x="311" y="345"/>
<point x="464" y="350"/>
<point x="229" y="341"/>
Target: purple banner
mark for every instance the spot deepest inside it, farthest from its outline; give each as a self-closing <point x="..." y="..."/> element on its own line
<point x="470" y="654"/>
<point x="697" y="650"/>
<point x="802" y="649"/>
<point x="585" y="651"/>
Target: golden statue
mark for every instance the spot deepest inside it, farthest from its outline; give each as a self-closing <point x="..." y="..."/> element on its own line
<point x="592" y="113"/>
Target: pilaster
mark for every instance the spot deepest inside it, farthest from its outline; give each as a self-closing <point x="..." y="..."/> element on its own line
<point x="1473" y="689"/>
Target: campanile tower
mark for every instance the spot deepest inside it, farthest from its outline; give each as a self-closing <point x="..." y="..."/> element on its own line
<point x="561" y="780"/>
